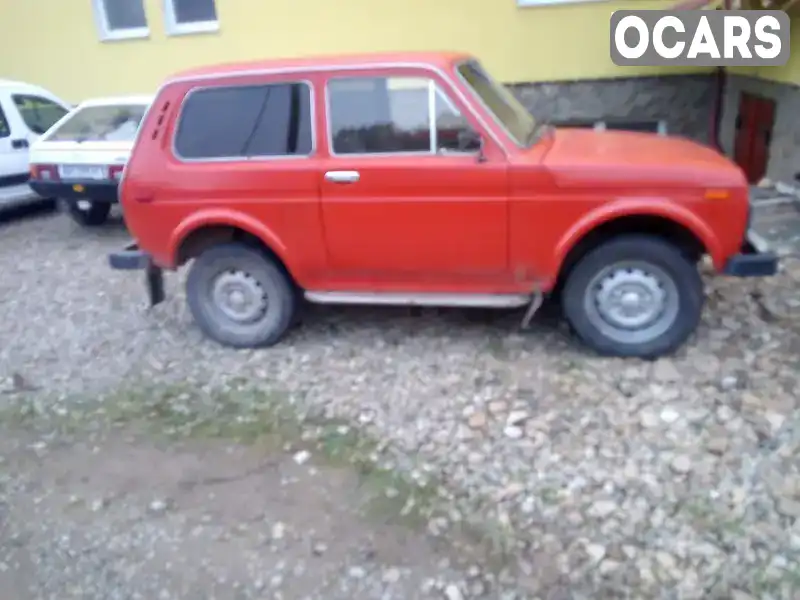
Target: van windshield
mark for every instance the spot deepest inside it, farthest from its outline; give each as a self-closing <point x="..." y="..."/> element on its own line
<point x="112" y="123"/>
<point x="509" y="112"/>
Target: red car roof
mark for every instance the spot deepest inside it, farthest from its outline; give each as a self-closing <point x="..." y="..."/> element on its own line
<point x="439" y="59"/>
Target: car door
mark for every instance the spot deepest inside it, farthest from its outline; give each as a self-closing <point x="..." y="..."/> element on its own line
<point x="13" y="144"/>
<point x="406" y="200"/>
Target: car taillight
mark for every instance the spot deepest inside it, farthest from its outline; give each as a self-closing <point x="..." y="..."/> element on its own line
<point x="44" y="172"/>
<point x="115" y="172"/>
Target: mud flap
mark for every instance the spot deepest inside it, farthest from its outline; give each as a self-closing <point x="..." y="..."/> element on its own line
<point x="155" y="284"/>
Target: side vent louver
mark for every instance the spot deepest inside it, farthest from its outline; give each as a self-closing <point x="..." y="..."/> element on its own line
<point x="160" y="120"/>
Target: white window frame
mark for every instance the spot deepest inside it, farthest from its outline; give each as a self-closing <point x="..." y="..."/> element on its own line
<point x="531" y="3"/>
<point x="108" y="34"/>
<point x="173" y="27"/>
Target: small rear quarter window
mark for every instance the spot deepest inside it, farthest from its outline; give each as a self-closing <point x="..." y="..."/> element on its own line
<point x="245" y="121"/>
<point x="111" y="123"/>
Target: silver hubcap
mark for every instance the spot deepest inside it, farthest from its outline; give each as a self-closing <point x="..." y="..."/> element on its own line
<point x="632" y="302"/>
<point x="239" y="296"/>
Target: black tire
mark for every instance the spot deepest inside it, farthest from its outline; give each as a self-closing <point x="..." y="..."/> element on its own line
<point x="660" y="256"/>
<point x="93" y="216"/>
<point x="259" y="270"/>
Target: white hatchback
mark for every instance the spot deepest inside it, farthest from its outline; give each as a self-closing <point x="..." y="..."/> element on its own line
<point x="81" y="158"/>
<point x="26" y="112"/>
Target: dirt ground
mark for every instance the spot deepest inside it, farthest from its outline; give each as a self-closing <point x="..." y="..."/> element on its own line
<point x="127" y="517"/>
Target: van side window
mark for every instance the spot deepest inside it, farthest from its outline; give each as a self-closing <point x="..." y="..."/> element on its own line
<point x="39" y="114"/>
<point x="375" y="115"/>
<point x="5" y="129"/>
<point x="245" y="122"/>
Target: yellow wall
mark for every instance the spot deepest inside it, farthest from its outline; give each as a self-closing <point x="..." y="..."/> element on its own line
<point x="54" y="43"/>
<point x="789" y="73"/>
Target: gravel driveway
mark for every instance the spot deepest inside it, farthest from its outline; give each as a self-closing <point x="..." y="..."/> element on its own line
<point x="604" y="478"/>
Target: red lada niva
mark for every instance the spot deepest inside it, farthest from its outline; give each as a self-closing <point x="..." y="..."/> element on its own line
<point x="417" y="179"/>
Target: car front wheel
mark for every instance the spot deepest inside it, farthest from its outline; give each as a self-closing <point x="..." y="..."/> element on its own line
<point x="88" y="213"/>
<point x="239" y="297"/>
<point x="634" y="296"/>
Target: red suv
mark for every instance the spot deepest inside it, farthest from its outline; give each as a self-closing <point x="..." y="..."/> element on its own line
<point x="417" y="179"/>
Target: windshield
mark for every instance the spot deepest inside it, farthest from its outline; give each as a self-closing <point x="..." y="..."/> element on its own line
<point x="504" y="106"/>
<point x="113" y="123"/>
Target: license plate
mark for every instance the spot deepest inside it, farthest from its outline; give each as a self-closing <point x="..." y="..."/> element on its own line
<point x="83" y="172"/>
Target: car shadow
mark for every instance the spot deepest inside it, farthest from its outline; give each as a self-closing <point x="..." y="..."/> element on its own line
<point x="13" y="215"/>
<point x="398" y="323"/>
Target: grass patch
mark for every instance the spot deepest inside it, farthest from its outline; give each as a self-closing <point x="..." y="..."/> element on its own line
<point x="247" y="415"/>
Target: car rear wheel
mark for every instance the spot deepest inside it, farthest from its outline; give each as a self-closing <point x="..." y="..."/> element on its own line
<point x="634" y="296"/>
<point x="88" y="213"/>
<point x="239" y="297"/>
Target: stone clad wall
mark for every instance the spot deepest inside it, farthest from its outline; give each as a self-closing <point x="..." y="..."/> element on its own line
<point x="784" y="151"/>
<point x="683" y="101"/>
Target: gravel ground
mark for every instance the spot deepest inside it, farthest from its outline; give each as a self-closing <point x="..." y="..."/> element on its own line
<point x="603" y="478"/>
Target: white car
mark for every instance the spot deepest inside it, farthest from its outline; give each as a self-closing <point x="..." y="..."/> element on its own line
<point x="81" y="158"/>
<point x="26" y="112"/>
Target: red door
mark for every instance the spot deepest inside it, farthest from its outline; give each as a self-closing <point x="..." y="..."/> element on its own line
<point x="753" y="135"/>
<point x="405" y="204"/>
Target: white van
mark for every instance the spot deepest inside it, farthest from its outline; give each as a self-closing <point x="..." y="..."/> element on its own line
<point x="26" y="112"/>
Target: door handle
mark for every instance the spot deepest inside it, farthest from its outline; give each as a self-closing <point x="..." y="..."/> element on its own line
<point x="19" y="144"/>
<point x="342" y="176"/>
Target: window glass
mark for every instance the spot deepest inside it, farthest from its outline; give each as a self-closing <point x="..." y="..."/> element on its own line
<point x="382" y="115"/>
<point x="285" y="124"/>
<point x="124" y="14"/>
<point x="242" y="121"/>
<point x="504" y="106"/>
<point x="452" y="128"/>
<point x="5" y="129"/>
<point x="38" y="113"/>
<point x="103" y="123"/>
<point x="194" y="11"/>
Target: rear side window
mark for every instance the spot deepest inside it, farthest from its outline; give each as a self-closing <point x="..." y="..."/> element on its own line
<point x="39" y="114"/>
<point x="117" y="123"/>
<point x="246" y="121"/>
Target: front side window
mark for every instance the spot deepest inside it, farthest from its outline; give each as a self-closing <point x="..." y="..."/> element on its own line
<point x="120" y="19"/>
<point x="504" y="106"/>
<point x="113" y="123"/>
<point x="246" y="122"/>
<point x="190" y="16"/>
<point x="377" y="115"/>
<point x="38" y="113"/>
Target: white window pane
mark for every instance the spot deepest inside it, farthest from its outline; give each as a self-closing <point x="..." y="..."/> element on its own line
<point x="194" y="11"/>
<point x="124" y="14"/>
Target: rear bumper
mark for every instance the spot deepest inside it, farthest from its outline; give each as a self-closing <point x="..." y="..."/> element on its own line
<point x="131" y="258"/>
<point x="95" y="191"/>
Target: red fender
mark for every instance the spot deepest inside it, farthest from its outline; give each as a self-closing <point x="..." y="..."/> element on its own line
<point x="651" y="207"/>
<point x="225" y="217"/>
